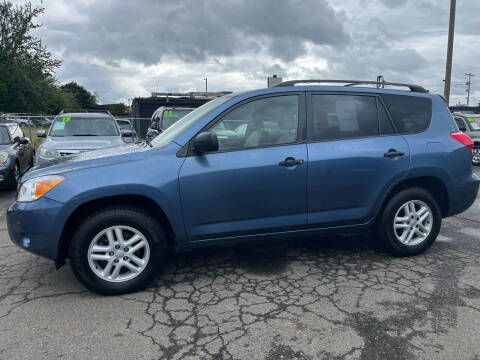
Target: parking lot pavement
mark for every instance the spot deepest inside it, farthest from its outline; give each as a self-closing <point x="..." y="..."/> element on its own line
<point x="332" y="298"/>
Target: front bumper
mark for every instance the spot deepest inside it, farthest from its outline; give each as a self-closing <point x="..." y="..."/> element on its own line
<point x="462" y="192"/>
<point x="37" y="226"/>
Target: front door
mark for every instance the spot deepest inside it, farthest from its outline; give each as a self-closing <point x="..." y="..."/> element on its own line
<point x="256" y="181"/>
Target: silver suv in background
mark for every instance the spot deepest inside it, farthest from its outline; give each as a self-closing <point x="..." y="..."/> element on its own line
<point x="71" y="133"/>
<point x="470" y="125"/>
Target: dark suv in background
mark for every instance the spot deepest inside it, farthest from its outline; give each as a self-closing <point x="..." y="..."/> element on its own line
<point x="163" y="118"/>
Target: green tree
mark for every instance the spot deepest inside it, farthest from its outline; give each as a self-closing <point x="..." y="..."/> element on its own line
<point x="26" y="66"/>
<point x="117" y="109"/>
<point x="84" y="98"/>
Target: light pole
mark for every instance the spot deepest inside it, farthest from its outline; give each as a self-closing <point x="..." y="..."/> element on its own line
<point x="206" y="86"/>
<point x="448" y="70"/>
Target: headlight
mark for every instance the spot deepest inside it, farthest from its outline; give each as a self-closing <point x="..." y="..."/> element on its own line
<point x="3" y="158"/>
<point x="35" y="188"/>
<point x="49" y="153"/>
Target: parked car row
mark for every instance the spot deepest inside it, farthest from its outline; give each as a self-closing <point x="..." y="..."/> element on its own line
<point x="290" y="161"/>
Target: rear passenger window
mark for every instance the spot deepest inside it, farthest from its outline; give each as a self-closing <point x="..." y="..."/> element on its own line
<point x="343" y="116"/>
<point x="411" y="114"/>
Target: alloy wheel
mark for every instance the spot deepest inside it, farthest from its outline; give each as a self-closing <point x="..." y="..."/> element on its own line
<point x="413" y="222"/>
<point x="118" y="253"/>
<point x="476" y="156"/>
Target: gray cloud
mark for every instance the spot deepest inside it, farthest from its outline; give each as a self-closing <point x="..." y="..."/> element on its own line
<point x="122" y="49"/>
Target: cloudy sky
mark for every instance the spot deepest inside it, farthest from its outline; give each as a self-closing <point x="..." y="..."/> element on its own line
<point x="122" y="49"/>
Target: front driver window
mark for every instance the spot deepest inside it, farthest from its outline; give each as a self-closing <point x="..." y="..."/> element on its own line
<point x="262" y="122"/>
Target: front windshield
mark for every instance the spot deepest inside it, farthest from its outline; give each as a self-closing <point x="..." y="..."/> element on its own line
<point x="83" y="126"/>
<point x="170" y="117"/>
<point x="474" y="122"/>
<point x="4" y="138"/>
<point x="188" y="120"/>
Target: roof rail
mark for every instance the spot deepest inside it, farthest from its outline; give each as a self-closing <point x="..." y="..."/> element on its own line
<point x="65" y="111"/>
<point x="382" y="83"/>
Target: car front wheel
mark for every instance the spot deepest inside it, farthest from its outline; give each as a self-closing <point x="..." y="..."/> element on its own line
<point x="117" y="250"/>
<point x="410" y="222"/>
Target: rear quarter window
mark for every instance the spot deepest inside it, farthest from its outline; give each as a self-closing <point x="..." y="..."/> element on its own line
<point x="411" y="114"/>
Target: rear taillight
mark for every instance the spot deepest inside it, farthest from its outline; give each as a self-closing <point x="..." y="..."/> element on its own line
<point x="463" y="138"/>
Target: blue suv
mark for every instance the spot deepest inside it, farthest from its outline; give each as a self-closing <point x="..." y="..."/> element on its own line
<point x="294" y="160"/>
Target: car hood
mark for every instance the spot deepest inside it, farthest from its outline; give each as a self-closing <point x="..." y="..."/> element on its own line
<point x="81" y="142"/>
<point x="87" y="159"/>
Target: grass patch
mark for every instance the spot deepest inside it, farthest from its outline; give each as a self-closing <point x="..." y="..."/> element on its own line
<point x="35" y="140"/>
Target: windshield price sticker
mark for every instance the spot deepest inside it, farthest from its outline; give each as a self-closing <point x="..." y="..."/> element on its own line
<point x="66" y="119"/>
<point x="169" y="113"/>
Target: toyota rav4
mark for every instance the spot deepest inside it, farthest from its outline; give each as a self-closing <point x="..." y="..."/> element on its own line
<point x="294" y="160"/>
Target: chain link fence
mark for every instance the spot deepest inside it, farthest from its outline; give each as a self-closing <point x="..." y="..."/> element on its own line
<point x="31" y="123"/>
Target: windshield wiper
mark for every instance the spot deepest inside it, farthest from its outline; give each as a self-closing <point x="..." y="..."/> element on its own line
<point x="84" y="135"/>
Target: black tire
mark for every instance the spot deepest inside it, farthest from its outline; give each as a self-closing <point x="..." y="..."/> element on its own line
<point x="113" y="216"/>
<point x="385" y="223"/>
<point x="476" y="155"/>
<point x="15" y="176"/>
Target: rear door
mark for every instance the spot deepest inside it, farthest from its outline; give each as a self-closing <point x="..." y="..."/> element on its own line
<point x="354" y="155"/>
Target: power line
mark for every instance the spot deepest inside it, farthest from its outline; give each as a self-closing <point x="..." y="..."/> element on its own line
<point x="468" y="86"/>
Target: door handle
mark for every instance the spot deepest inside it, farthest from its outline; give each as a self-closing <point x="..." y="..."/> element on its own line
<point x="393" y="153"/>
<point x="290" y="161"/>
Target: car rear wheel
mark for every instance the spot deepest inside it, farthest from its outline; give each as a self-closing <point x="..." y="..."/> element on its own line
<point x="476" y="155"/>
<point x="410" y="222"/>
<point x="117" y="250"/>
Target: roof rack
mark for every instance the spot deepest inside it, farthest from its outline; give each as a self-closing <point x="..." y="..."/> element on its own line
<point x="65" y="111"/>
<point x="380" y="84"/>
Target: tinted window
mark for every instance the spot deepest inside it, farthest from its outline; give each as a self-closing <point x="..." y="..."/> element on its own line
<point x="83" y="126"/>
<point x="4" y="138"/>
<point x="261" y="122"/>
<point x="343" y="116"/>
<point x="170" y="117"/>
<point x="386" y="126"/>
<point x="411" y="114"/>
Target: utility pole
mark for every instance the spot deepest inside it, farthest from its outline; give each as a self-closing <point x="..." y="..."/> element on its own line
<point x="468" y="86"/>
<point x="206" y="86"/>
<point x="448" y="70"/>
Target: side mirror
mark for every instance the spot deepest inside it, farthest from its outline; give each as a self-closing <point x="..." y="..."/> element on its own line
<point x="16" y="139"/>
<point x="154" y="125"/>
<point x="41" y="133"/>
<point x="205" y="142"/>
<point x="127" y="133"/>
<point x="24" y="141"/>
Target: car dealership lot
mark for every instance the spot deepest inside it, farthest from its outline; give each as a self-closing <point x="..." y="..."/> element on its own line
<point x="328" y="298"/>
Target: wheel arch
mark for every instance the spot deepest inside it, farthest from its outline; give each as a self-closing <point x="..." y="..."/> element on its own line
<point x="138" y="201"/>
<point x="432" y="184"/>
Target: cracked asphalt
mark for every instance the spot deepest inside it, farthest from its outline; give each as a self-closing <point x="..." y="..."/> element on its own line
<point x="326" y="298"/>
